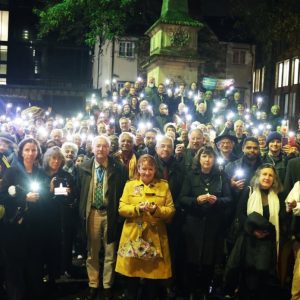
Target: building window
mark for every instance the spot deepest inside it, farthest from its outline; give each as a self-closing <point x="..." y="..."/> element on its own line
<point x="277" y="100"/>
<point x="292" y="105"/>
<point x="286" y="104"/>
<point x="279" y="71"/>
<point x="36" y="69"/>
<point x="126" y="49"/>
<point x="2" y="81"/>
<point x="286" y="72"/>
<point x="4" y="15"/>
<point x="3" y="53"/>
<point x="239" y="57"/>
<point x="295" y="71"/>
<point x="3" y="69"/>
<point x="263" y="72"/>
<point x="257" y="80"/>
<point x="25" y="34"/>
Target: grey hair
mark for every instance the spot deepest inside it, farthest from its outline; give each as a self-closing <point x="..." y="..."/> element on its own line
<point x="128" y="134"/>
<point x="237" y="122"/>
<point x="104" y="137"/>
<point x="69" y="145"/>
<point x="54" y="151"/>
<point x="198" y="130"/>
<point x="56" y="130"/>
<point x="164" y="138"/>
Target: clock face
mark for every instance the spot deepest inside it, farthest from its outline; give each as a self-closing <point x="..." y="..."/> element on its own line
<point x="179" y="38"/>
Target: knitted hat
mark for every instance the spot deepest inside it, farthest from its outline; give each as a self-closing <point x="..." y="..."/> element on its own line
<point x="273" y="135"/>
<point x="7" y="138"/>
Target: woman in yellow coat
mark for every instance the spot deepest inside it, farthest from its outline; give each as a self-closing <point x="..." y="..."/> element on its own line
<point x="147" y="205"/>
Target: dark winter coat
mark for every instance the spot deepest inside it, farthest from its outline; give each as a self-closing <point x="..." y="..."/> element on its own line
<point x="116" y="179"/>
<point x="203" y="224"/>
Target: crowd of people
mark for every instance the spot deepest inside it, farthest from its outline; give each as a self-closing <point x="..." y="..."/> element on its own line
<point x="177" y="191"/>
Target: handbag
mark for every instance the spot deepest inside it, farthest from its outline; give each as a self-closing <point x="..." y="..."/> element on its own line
<point x="139" y="248"/>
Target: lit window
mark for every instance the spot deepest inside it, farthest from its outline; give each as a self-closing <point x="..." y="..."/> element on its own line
<point x="263" y="71"/>
<point x="33" y="52"/>
<point x="292" y="105"/>
<point x="253" y="82"/>
<point x="4" y="15"/>
<point x="280" y="69"/>
<point x="3" y="69"/>
<point x="36" y="69"/>
<point x="2" y="81"/>
<point x="3" y="53"/>
<point x="25" y="34"/>
<point x="286" y="72"/>
<point x="295" y="71"/>
<point x="126" y="49"/>
<point x="257" y="80"/>
<point x="239" y="57"/>
<point x="286" y="104"/>
<point x="277" y="99"/>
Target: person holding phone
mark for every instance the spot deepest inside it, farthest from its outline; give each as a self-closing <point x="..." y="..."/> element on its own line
<point x="22" y="194"/>
<point x="61" y="214"/>
<point x="276" y="154"/>
<point x="204" y="196"/>
<point x="147" y="205"/>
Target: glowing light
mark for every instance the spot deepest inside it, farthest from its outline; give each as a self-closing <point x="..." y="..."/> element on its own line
<point x="220" y="160"/>
<point x="8" y="105"/>
<point x="259" y="99"/>
<point x="34" y="186"/>
<point x="167" y="81"/>
<point x="189" y="118"/>
<point x="80" y="116"/>
<point x="43" y="132"/>
<point x="239" y="173"/>
<point x="291" y="134"/>
<point x="107" y="82"/>
<point x="142" y="95"/>
<point x="255" y="131"/>
<point x="139" y="79"/>
<point x="230" y="115"/>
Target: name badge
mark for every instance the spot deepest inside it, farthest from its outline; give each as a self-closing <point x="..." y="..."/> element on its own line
<point x="138" y="190"/>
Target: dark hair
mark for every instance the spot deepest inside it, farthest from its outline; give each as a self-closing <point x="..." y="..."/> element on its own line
<point x="28" y="141"/>
<point x="209" y="150"/>
<point x="250" y="139"/>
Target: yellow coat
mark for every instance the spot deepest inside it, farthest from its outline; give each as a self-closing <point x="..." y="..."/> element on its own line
<point x="154" y="228"/>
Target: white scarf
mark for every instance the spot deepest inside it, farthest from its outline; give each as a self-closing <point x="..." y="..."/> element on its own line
<point x="255" y="205"/>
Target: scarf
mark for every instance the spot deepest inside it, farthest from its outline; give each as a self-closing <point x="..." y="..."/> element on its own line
<point x="255" y="204"/>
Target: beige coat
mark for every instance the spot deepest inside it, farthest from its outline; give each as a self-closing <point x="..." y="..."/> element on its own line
<point x="154" y="228"/>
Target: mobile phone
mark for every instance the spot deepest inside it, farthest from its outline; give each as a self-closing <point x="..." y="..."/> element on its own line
<point x="284" y="141"/>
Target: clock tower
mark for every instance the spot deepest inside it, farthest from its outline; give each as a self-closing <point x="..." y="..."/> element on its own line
<point x="173" y="44"/>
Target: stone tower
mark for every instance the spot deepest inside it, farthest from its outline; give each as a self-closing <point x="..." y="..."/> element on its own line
<point x="173" y="44"/>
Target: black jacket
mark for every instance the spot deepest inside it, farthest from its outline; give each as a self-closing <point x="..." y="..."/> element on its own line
<point x="204" y="222"/>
